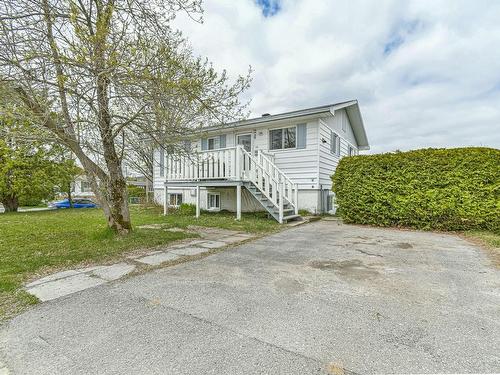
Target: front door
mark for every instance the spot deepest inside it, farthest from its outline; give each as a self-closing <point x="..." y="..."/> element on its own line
<point x="245" y="140"/>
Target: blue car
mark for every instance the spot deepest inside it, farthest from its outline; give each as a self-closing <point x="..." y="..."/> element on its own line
<point x="77" y="203"/>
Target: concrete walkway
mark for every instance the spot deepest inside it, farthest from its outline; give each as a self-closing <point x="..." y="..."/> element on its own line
<point x="322" y="298"/>
<point x="67" y="282"/>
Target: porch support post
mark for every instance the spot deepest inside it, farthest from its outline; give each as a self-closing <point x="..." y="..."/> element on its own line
<point x="296" y="199"/>
<point x="280" y="203"/>
<point x="238" y="202"/>
<point x="165" y="199"/>
<point x="198" y="201"/>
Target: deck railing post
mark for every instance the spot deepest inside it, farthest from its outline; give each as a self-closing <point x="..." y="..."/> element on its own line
<point x="237" y="163"/>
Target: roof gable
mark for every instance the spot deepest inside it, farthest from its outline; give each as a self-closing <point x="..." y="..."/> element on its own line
<point x="351" y="107"/>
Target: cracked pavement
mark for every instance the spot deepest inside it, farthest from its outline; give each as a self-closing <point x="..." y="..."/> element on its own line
<point x="322" y="298"/>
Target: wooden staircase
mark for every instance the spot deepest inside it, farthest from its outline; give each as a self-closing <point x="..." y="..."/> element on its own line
<point x="270" y="207"/>
<point x="270" y="187"/>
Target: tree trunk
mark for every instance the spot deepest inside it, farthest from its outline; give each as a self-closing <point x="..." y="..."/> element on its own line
<point x="70" y="197"/>
<point x="116" y="204"/>
<point x="10" y="204"/>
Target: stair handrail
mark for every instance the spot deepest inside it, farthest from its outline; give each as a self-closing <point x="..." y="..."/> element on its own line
<point x="293" y="195"/>
<point x="280" y="172"/>
<point x="261" y="167"/>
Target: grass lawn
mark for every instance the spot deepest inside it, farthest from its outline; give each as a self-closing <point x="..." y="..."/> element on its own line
<point x="35" y="242"/>
<point x="490" y="240"/>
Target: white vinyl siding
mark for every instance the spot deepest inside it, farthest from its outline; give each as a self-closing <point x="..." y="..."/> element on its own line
<point x="158" y="178"/>
<point x="328" y="161"/>
<point x="162" y="162"/>
<point x="301" y="165"/>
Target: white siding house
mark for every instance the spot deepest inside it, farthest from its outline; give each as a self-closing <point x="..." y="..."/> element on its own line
<point x="80" y="188"/>
<point x="297" y="151"/>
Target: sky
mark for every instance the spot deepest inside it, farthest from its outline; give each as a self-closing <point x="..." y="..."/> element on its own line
<point x="426" y="72"/>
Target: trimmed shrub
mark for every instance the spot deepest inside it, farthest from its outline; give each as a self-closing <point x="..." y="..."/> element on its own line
<point x="443" y="189"/>
<point x="136" y="191"/>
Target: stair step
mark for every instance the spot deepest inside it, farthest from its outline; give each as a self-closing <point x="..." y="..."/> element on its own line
<point x="290" y="217"/>
<point x="272" y="209"/>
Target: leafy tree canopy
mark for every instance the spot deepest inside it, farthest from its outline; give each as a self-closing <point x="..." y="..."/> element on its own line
<point x="32" y="167"/>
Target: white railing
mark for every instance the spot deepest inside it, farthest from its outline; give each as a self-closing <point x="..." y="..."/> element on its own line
<point x="273" y="183"/>
<point x="207" y="165"/>
<point x="290" y="188"/>
<point x="234" y="163"/>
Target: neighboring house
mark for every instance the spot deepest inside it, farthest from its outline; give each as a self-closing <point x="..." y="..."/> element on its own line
<point x="250" y="165"/>
<point x="81" y="188"/>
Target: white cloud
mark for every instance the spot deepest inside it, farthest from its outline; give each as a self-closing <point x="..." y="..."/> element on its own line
<point x="427" y="73"/>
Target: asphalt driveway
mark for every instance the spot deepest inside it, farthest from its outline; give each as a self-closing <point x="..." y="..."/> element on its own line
<point x="320" y="298"/>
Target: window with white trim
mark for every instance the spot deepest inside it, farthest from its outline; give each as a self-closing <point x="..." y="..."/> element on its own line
<point x="85" y="187"/>
<point x="334" y="143"/>
<point x="352" y="151"/>
<point x="175" y="199"/>
<point x="213" y="201"/>
<point x="283" y="138"/>
<point x="214" y="143"/>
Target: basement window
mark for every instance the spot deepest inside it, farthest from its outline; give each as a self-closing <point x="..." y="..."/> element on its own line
<point x="213" y="201"/>
<point x="175" y="199"/>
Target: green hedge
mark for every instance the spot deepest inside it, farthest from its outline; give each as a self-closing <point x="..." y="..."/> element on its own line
<point x="443" y="189"/>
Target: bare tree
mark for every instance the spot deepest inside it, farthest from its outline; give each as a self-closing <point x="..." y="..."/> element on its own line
<point x="93" y="71"/>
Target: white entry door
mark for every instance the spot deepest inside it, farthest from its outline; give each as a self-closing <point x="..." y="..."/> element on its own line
<point x="245" y="140"/>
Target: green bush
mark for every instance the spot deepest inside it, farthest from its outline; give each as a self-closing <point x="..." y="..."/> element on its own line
<point x="443" y="189"/>
<point x="136" y="191"/>
<point x="186" y="209"/>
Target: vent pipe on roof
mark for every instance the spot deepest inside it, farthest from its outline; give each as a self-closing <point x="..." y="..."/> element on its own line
<point x="266" y="114"/>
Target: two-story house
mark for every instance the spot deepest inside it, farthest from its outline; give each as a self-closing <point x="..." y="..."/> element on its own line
<point x="280" y="163"/>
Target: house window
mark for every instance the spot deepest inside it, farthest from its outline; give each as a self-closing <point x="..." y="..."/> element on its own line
<point x="213" y="143"/>
<point x="283" y="138"/>
<point x="352" y="151"/>
<point x="175" y="199"/>
<point x="85" y="187"/>
<point x="213" y="201"/>
<point x="334" y="144"/>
